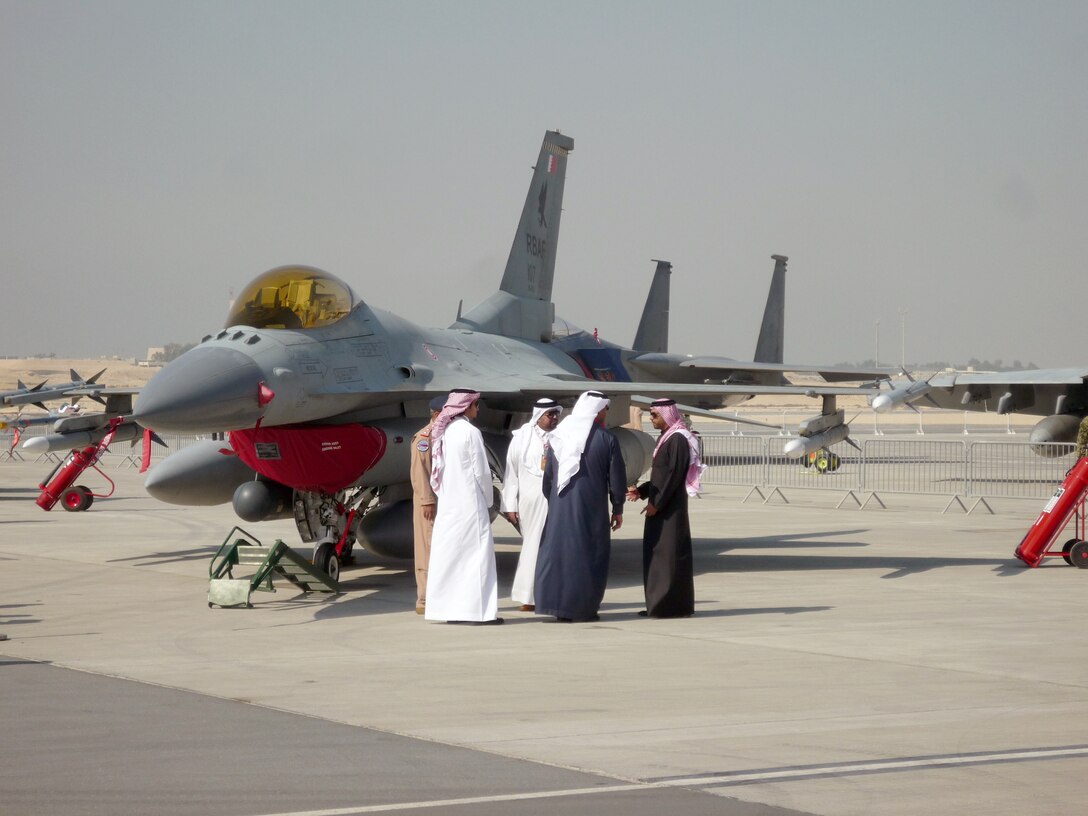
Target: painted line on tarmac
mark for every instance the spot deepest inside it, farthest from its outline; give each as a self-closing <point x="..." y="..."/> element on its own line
<point x="727" y="779"/>
<point x="472" y="800"/>
<point x="873" y="767"/>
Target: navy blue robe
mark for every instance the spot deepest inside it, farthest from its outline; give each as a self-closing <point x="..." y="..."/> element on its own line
<point x="572" y="565"/>
<point x="667" y="569"/>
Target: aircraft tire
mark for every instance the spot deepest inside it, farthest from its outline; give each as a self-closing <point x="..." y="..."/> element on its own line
<point x="326" y="560"/>
<point x="1078" y="554"/>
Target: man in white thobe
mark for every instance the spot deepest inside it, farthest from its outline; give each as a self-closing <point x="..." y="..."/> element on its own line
<point x="523" y="502"/>
<point x="462" y="582"/>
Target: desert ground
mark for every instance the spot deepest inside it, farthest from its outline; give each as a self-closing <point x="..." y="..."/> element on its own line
<point x="121" y="373"/>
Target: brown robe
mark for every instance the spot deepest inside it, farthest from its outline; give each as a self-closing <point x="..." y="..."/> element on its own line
<point x="422" y="495"/>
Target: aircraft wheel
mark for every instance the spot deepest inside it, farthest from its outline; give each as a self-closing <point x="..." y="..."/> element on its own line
<point x="823" y="462"/>
<point x="326" y="560"/>
<point x="1078" y="554"/>
<point x="807" y="459"/>
<point x="1066" y="548"/>
<point x="76" y="499"/>
<point x="833" y="461"/>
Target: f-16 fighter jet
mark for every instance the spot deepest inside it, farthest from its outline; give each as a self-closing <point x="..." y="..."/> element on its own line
<point x="318" y="392"/>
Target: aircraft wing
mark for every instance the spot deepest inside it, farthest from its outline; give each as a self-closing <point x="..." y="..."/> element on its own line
<point x="1037" y="391"/>
<point x="698" y="395"/>
<point x="723" y="368"/>
<point x="1037" y="376"/>
<point x="828" y="373"/>
<point x="520" y="394"/>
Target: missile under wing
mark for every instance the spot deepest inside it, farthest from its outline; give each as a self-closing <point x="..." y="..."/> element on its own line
<point x="42" y="393"/>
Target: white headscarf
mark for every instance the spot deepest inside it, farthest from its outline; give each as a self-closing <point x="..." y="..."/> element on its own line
<point x="523" y="434"/>
<point x="459" y="401"/>
<point x="569" y="439"/>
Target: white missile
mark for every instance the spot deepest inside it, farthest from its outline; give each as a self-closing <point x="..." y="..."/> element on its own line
<point x="900" y="396"/>
<point x="80" y="439"/>
<point x="804" y="445"/>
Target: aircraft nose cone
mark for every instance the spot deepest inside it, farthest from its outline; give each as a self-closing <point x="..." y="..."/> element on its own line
<point x="202" y="391"/>
<point x="882" y="403"/>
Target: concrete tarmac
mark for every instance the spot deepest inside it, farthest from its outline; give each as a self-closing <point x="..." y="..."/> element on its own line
<point x="841" y="661"/>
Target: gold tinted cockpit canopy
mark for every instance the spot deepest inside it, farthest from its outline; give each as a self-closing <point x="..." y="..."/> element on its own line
<point x="292" y="297"/>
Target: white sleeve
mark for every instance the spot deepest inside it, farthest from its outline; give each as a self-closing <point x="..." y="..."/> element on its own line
<point x="480" y="468"/>
<point x="510" y="479"/>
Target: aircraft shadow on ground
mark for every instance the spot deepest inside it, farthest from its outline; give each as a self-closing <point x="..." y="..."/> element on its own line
<point x="153" y="559"/>
<point x="622" y="612"/>
<point x="18" y="493"/>
<point x="16" y="618"/>
<point x="726" y="555"/>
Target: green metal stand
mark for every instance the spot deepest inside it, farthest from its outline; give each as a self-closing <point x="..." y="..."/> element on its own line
<point x="247" y="551"/>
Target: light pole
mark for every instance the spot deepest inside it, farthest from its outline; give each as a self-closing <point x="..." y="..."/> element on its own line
<point x="903" y="336"/>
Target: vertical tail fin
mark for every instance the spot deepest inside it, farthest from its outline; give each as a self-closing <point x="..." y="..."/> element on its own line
<point x="769" y="345"/>
<point x="531" y="265"/>
<point x="523" y="305"/>
<point x="653" y="329"/>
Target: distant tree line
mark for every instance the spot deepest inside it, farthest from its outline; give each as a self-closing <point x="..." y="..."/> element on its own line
<point x="171" y="351"/>
<point x="974" y="362"/>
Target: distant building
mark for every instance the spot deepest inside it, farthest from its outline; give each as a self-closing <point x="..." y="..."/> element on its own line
<point x="154" y="357"/>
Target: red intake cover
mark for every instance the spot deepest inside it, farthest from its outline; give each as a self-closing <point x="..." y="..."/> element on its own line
<point x="310" y="457"/>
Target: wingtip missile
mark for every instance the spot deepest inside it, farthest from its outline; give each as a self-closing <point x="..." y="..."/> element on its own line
<point x="903" y="395"/>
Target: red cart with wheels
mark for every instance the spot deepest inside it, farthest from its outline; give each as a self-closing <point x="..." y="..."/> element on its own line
<point x="59" y="486"/>
<point x="1067" y="503"/>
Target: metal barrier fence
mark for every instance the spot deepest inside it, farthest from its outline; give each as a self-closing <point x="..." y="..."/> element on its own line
<point x="118" y="455"/>
<point x="978" y="469"/>
<point x="1001" y="469"/>
<point x="915" y="466"/>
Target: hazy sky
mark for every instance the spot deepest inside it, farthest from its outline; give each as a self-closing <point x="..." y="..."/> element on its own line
<point x="921" y="156"/>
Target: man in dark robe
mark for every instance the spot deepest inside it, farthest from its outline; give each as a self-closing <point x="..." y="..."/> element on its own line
<point x="667" y="571"/>
<point x="583" y="475"/>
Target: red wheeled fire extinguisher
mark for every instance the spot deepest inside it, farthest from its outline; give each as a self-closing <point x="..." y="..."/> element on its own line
<point x="1062" y="505"/>
<point x="58" y="485"/>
